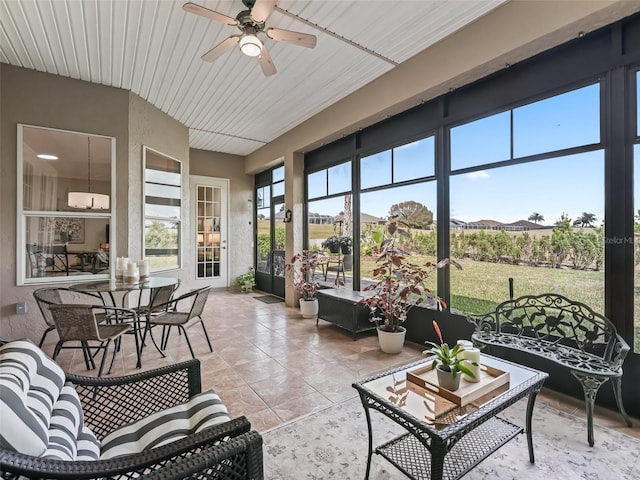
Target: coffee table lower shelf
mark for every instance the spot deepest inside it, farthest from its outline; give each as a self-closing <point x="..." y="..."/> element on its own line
<point x="408" y="455"/>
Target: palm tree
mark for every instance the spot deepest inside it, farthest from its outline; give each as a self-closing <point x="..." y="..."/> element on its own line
<point x="585" y="220"/>
<point x="536" y="217"/>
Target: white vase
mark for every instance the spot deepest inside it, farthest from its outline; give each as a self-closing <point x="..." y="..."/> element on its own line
<point x="309" y="308"/>
<point x="392" y="342"/>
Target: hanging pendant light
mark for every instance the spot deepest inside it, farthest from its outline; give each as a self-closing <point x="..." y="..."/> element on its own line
<point x="87" y="200"/>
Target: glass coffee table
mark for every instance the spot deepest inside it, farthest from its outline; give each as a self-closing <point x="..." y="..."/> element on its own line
<point x="448" y="434"/>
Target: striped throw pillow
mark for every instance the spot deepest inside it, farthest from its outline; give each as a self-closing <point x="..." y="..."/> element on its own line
<point x="202" y="411"/>
<point x="30" y="383"/>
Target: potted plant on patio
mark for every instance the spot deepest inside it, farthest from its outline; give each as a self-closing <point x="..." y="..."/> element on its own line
<point x="448" y="362"/>
<point x="332" y="244"/>
<point x="345" y="245"/>
<point x="246" y="281"/>
<point x="302" y="268"/>
<point x="399" y="286"/>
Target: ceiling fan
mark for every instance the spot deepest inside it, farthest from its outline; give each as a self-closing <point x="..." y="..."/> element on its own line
<point x="251" y="22"/>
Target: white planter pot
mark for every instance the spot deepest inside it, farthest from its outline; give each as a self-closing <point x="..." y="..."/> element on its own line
<point x="392" y="342"/>
<point x="447" y="380"/>
<point x="309" y="308"/>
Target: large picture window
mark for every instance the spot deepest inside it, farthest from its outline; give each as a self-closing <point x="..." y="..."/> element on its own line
<point x="330" y="223"/>
<point x="540" y="223"/>
<point x="65" y="205"/>
<point x="162" y="210"/>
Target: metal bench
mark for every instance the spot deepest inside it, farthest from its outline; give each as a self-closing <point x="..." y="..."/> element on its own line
<point x="566" y="332"/>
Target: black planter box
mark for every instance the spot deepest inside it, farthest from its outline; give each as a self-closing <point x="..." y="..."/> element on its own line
<point x="339" y="306"/>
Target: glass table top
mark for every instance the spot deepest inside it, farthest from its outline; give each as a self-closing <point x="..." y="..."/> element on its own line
<point x="427" y="405"/>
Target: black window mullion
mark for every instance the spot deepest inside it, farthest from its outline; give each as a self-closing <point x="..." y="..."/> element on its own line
<point x="619" y="255"/>
<point x="443" y="205"/>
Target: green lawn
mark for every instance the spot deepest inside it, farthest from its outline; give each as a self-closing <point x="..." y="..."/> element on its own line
<point x="489" y="282"/>
<point x="480" y="286"/>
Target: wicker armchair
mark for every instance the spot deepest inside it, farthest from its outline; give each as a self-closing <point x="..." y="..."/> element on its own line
<point x="225" y="451"/>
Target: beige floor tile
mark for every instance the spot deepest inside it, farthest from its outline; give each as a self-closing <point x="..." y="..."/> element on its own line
<point x="271" y="365"/>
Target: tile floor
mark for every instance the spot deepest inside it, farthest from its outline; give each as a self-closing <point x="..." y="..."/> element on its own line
<point x="270" y="364"/>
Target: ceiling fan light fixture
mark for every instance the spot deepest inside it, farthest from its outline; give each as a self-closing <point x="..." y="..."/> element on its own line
<point x="250" y="45"/>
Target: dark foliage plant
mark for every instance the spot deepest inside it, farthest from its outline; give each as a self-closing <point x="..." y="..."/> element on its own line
<point x="399" y="284"/>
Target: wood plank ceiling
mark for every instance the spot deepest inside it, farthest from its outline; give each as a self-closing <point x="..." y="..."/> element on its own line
<point x="153" y="48"/>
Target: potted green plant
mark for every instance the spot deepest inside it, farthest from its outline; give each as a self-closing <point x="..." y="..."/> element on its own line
<point x="246" y="281"/>
<point x="399" y="286"/>
<point x="301" y="269"/>
<point x="448" y="362"/>
<point x="345" y="244"/>
<point x="332" y="244"/>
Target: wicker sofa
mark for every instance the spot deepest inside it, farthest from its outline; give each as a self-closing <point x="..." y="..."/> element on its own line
<point x="225" y="450"/>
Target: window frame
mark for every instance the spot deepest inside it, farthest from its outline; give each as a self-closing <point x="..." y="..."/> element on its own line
<point x="23" y="213"/>
<point x="179" y="220"/>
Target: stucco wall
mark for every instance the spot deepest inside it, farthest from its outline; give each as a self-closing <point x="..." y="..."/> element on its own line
<point x="150" y="127"/>
<point x="221" y="165"/>
<point x="41" y="99"/>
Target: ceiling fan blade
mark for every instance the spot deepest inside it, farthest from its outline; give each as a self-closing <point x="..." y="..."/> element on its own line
<point x="221" y="48"/>
<point x="262" y="9"/>
<point x="264" y="59"/>
<point x="297" y="38"/>
<point x="210" y="14"/>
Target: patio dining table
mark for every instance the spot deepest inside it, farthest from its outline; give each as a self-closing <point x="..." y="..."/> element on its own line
<point x="109" y="287"/>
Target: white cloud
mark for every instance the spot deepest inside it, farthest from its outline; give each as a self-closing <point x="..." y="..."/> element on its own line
<point x="479" y="175"/>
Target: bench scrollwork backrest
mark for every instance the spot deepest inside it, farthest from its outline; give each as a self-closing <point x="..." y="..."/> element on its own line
<point x="555" y="319"/>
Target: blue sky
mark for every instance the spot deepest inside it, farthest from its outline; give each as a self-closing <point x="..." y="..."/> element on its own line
<point x="570" y="184"/>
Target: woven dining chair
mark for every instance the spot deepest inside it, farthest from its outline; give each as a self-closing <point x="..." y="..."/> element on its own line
<point x="78" y="323"/>
<point x="54" y="296"/>
<point x="159" y="299"/>
<point x="159" y="302"/>
<point x="181" y="319"/>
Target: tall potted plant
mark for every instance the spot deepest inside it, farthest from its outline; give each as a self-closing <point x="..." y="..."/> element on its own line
<point x="399" y="286"/>
<point x="301" y="269"/>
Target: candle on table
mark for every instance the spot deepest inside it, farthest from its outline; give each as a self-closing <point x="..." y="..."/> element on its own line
<point x="473" y="355"/>
<point x="121" y="266"/>
<point x="132" y="273"/>
<point x="143" y="266"/>
<point x="464" y="345"/>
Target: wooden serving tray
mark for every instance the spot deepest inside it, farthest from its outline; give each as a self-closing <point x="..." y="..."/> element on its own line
<point x="490" y="379"/>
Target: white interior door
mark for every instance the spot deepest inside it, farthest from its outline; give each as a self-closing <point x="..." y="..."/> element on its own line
<point x="209" y="203"/>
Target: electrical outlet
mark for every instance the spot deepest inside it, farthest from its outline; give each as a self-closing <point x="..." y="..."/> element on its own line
<point x="21" y="308"/>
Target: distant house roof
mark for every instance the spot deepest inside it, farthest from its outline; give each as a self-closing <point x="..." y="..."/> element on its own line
<point x="364" y="218"/>
<point x="527" y="224"/>
<point x="318" y="218"/>
<point x="489" y="223"/>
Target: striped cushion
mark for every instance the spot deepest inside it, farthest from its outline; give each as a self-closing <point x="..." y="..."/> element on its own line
<point x="202" y="411"/>
<point x="88" y="445"/>
<point x="30" y="383"/>
<point x="69" y="438"/>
